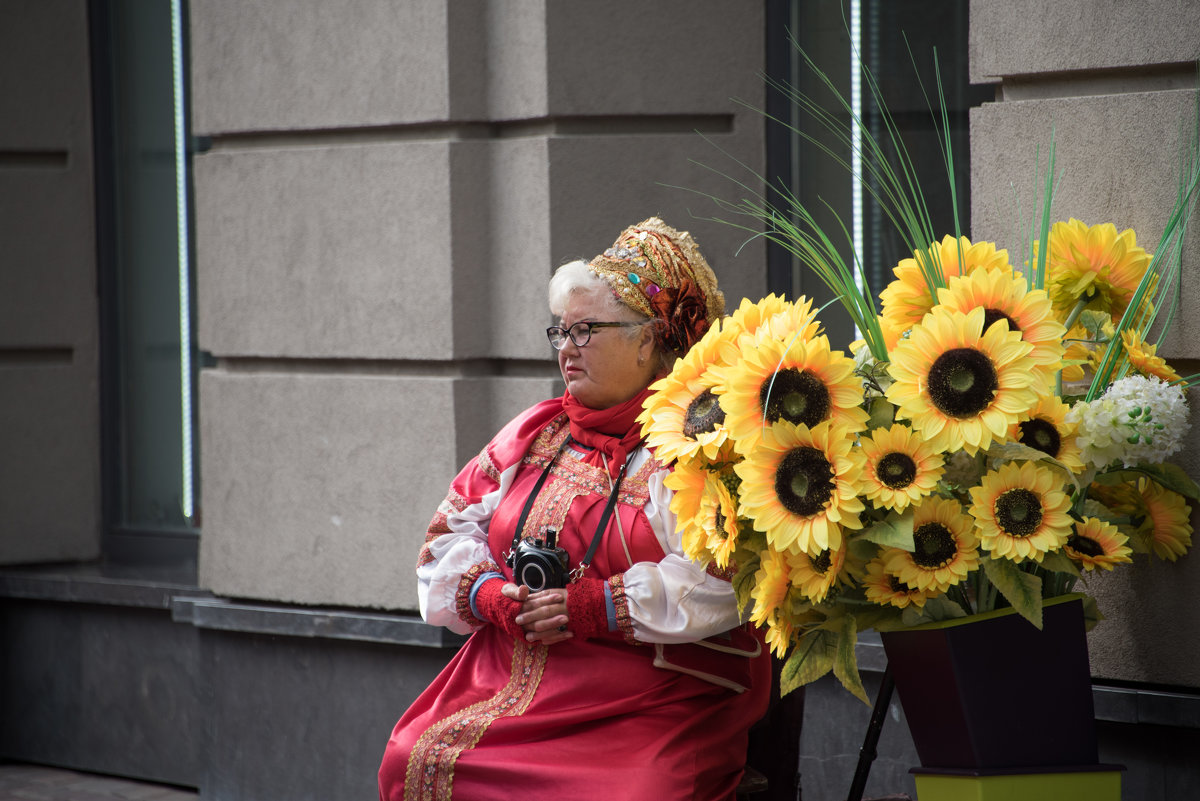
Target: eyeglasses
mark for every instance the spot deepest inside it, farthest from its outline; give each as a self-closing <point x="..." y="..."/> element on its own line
<point x="580" y="333"/>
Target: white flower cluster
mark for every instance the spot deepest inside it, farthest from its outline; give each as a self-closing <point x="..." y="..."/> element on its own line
<point x="1137" y="420"/>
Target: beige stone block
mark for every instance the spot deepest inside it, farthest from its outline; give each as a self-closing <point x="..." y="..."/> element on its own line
<point x="1117" y="160"/>
<point x="325" y="252"/>
<point x="45" y="96"/>
<point x="48" y="264"/>
<point x="318" y="489"/>
<point x="1028" y="37"/>
<point x="317" y="64"/>
<point x="50" y="460"/>
<point x="601" y="185"/>
<point x="669" y="57"/>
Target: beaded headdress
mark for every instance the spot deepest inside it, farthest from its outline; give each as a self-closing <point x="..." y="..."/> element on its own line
<point x="660" y="272"/>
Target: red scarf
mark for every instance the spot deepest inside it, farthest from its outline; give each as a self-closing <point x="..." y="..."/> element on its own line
<point x="613" y="432"/>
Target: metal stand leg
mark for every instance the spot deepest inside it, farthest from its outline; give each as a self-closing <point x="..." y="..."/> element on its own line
<point x="866" y="754"/>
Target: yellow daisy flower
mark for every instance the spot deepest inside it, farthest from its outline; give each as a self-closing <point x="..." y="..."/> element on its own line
<point x="688" y="482"/>
<point x="1161" y="517"/>
<point x="804" y="383"/>
<point x="886" y="588"/>
<point x="907" y="299"/>
<point x="815" y="576"/>
<point x="799" y="486"/>
<point x="1094" y="261"/>
<point x="961" y="389"/>
<point x="901" y="468"/>
<point x="1168" y="520"/>
<point x="945" y="549"/>
<point x="1097" y="544"/>
<point x="1048" y="431"/>
<point x="1143" y="359"/>
<point x="1004" y="295"/>
<point x="683" y="417"/>
<point x="1021" y="512"/>
<point x="718" y="516"/>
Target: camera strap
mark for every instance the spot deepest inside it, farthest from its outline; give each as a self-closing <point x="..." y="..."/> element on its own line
<point x="577" y="573"/>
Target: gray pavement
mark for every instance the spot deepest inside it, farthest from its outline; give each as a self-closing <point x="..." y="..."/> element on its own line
<point x="21" y="782"/>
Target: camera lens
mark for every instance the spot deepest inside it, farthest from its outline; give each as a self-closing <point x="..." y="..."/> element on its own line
<point x="533" y="576"/>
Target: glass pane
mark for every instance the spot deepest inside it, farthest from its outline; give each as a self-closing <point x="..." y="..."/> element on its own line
<point x="152" y="316"/>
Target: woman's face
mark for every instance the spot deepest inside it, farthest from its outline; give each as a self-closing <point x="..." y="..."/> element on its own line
<point x="605" y="371"/>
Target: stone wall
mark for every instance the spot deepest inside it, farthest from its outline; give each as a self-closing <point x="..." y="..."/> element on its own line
<point x="388" y="188"/>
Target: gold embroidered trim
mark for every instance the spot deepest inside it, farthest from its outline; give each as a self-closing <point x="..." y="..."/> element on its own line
<point x="616" y="583"/>
<point x="462" y="598"/>
<point x="487" y="466"/>
<point x="430" y="773"/>
<point x="439" y="525"/>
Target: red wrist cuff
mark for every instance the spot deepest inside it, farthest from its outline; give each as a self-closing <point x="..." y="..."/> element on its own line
<point x="587" y="609"/>
<point x="497" y="608"/>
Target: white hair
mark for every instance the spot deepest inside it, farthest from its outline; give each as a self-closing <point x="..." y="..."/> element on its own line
<point x="577" y="276"/>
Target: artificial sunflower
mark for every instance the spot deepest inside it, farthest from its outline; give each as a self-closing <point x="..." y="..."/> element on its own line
<point x="944" y="547"/>
<point x="1143" y="358"/>
<point x="717" y="515"/>
<point x="683" y="416"/>
<point x="962" y="386"/>
<point x="1048" y="431"/>
<point x="815" y="576"/>
<point x="1095" y="263"/>
<point x="886" y="588"/>
<point x="770" y="595"/>
<point x="901" y="468"/>
<point x="1097" y="544"/>
<point x="907" y="299"/>
<point x="1168" y="520"/>
<point x="688" y="482"/>
<point x="1004" y="295"/>
<point x="801" y="382"/>
<point x="1021" y="511"/>
<point x="749" y="317"/>
<point x="799" y="486"/>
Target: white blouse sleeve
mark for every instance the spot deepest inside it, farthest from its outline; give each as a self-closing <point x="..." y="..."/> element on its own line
<point x="675" y="600"/>
<point x="454" y="554"/>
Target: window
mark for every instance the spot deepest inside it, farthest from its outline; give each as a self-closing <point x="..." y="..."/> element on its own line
<point x="148" y="358"/>
<point x="825" y="29"/>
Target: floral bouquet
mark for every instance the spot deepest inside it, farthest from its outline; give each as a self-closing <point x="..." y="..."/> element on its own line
<point x="997" y="437"/>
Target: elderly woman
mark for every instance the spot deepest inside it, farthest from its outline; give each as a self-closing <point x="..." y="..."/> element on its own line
<point x="603" y="663"/>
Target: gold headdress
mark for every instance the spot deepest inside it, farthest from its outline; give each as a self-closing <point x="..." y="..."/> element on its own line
<point x="659" y="271"/>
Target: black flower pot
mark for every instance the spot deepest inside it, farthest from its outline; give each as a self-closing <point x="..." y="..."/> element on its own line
<point x="993" y="691"/>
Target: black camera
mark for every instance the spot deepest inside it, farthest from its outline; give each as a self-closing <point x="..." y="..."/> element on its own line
<point x="539" y="564"/>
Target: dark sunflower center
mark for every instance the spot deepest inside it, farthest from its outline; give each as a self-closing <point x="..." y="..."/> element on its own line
<point x="1019" y="512"/>
<point x="1085" y="545"/>
<point x="719" y="519"/>
<point x="896" y="470"/>
<point x="993" y="315"/>
<point x="935" y="545"/>
<point x="804" y="481"/>
<point x="795" y="396"/>
<point x="1041" y="434"/>
<point x="703" y="415"/>
<point x="897" y="585"/>
<point x="823" y="561"/>
<point x="962" y="382"/>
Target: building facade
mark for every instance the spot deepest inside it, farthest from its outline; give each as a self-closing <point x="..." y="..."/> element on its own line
<point x="379" y="192"/>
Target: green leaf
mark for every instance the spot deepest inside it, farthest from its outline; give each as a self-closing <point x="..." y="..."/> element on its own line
<point x="1022" y="590"/>
<point x="1171" y="477"/>
<point x="811" y="659"/>
<point x="940" y="607"/>
<point x="845" y="665"/>
<point x="743" y="580"/>
<point x="1059" y="562"/>
<point x="1091" y="613"/>
<point x="882" y="413"/>
<point x="894" y="532"/>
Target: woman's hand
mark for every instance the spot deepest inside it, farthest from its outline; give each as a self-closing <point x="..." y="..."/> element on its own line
<point x="543" y="614"/>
